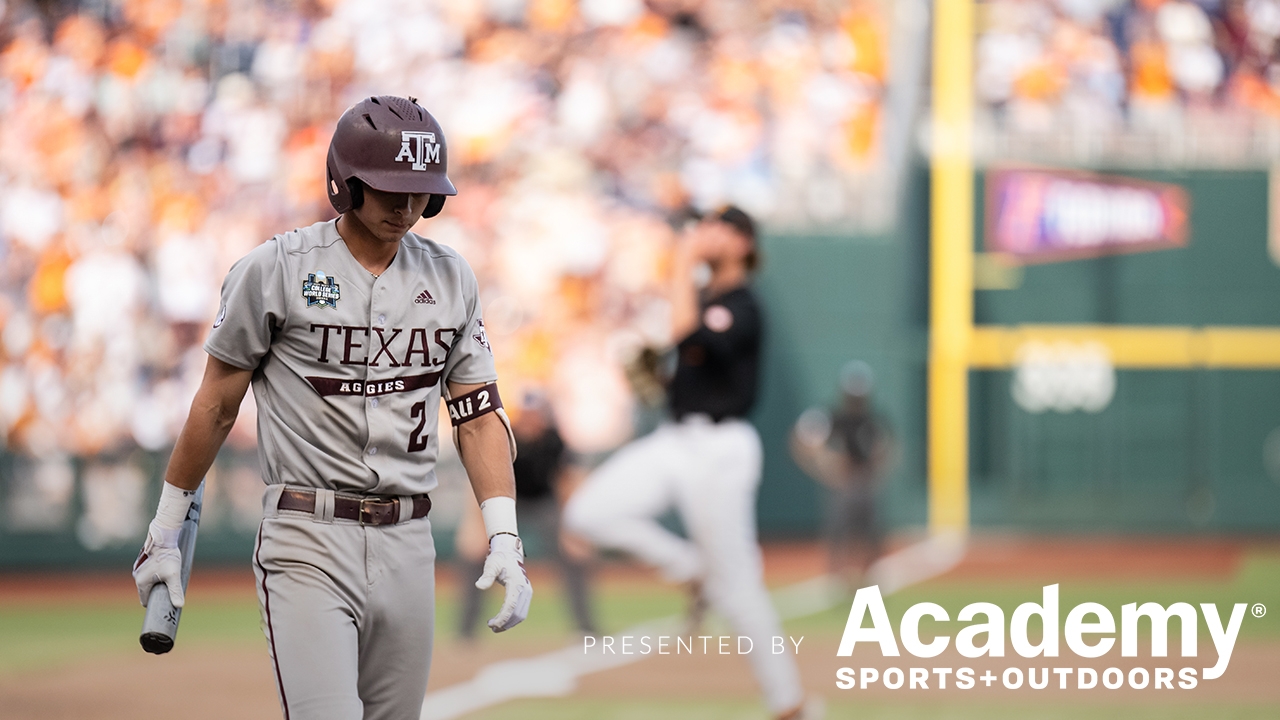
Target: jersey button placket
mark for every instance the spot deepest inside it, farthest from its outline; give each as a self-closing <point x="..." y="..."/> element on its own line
<point x="376" y="320"/>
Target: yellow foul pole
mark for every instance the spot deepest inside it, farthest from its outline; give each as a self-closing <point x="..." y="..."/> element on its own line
<point x="951" y="266"/>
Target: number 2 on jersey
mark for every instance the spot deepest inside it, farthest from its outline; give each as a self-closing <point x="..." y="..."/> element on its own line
<point x="418" y="441"/>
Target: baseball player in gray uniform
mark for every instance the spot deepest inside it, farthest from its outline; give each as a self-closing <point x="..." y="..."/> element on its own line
<point x="351" y="332"/>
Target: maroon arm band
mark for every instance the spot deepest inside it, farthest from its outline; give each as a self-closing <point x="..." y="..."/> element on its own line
<point x="481" y="401"/>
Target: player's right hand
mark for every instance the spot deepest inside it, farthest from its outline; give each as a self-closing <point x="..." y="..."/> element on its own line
<point x="505" y="564"/>
<point x="159" y="561"/>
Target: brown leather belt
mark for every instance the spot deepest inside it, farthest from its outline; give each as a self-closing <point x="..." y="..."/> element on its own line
<point x="365" y="510"/>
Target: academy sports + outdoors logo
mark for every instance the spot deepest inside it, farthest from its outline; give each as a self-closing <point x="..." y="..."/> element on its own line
<point x="1085" y="632"/>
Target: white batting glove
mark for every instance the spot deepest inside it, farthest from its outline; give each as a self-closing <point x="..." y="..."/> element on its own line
<point x="159" y="561"/>
<point x="505" y="563"/>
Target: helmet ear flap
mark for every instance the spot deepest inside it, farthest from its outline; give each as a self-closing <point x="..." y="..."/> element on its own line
<point x="434" y="206"/>
<point x="356" y="189"/>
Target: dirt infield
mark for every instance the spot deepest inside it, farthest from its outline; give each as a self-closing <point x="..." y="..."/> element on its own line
<point x="208" y="682"/>
<point x="209" y="678"/>
<point x="211" y="683"/>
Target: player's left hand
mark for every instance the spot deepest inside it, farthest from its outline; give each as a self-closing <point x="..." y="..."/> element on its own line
<point x="159" y="562"/>
<point x="505" y="563"/>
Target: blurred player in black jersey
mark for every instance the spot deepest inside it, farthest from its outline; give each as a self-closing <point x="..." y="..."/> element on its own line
<point x="538" y="468"/>
<point x="705" y="460"/>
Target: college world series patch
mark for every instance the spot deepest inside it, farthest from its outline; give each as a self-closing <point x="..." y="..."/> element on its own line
<point x="321" y="289"/>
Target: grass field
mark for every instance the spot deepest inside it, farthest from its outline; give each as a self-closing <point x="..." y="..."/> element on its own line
<point x="81" y="638"/>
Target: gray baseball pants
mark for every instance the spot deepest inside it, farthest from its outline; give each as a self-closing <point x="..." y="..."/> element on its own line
<point x="348" y="611"/>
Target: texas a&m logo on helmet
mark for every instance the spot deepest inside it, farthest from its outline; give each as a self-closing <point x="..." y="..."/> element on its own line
<point x="419" y="148"/>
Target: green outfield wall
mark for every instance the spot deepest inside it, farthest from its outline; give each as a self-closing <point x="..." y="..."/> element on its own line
<point x="1174" y="450"/>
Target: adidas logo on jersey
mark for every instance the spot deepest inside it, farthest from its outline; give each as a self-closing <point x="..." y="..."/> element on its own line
<point x="424" y="298"/>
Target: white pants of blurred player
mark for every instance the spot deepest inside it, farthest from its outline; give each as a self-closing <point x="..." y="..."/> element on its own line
<point x="708" y="472"/>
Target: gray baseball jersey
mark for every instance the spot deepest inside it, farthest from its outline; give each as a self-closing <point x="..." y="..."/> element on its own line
<point x="348" y="367"/>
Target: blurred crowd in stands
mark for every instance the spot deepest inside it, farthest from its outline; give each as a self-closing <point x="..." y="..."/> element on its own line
<point x="147" y="144"/>
<point x="1103" y="65"/>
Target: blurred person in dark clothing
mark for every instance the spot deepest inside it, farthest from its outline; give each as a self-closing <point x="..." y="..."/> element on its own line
<point x="848" y="449"/>
<point x="538" y="468"/>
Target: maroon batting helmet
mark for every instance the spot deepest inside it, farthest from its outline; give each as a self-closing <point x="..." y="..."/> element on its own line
<point x="390" y="144"/>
